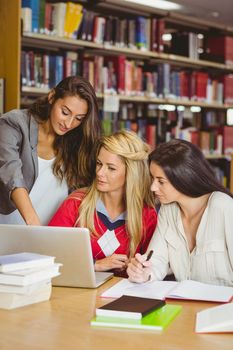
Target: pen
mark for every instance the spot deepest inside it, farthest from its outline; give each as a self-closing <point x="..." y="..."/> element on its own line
<point x="149" y="255"/>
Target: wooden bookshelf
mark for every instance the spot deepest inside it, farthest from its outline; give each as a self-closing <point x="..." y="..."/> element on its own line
<point x="46" y="41"/>
<point x="52" y="41"/>
<point x="10" y="47"/>
<point x="37" y="91"/>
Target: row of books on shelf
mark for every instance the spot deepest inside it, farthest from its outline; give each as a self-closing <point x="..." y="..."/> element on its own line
<point x="214" y="141"/>
<point x="60" y="19"/>
<point x="117" y="74"/>
<point x="211" y="47"/>
<point x="72" y="20"/>
<point x="45" y="71"/>
<point x="25" y="278"/>
<point x="130" y="77"/>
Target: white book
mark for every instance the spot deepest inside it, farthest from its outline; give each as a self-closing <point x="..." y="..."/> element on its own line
<point x="188" y="289"/>
<point x="26" y="16"/>
<point x="58" y="18"/>
<point x="215" y="319"/>
<point x="31" y="288"/>
<point x="29" y="276"/>
<point x="19" y="261"/>
<point x="14" y="300"/>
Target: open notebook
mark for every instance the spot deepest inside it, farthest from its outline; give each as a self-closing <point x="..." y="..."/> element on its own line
<point x="188" y="289"/>
<point x="70" y="245"/>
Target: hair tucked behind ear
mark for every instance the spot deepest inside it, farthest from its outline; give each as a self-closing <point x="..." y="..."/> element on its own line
<point x="134" y="152"/>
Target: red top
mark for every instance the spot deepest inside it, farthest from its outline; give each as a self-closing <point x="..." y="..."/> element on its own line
<point x="67" y="215"/>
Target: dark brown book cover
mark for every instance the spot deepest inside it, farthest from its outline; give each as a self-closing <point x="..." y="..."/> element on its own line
<point x="129" y="307"/>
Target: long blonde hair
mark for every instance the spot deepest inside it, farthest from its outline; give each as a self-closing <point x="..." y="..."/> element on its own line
<point x="134" y="152"/>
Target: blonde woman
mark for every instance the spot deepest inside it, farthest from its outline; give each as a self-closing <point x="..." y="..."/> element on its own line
<point x="118" y="208"/>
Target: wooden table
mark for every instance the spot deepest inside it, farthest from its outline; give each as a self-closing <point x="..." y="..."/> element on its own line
<point x="63" y="323"/>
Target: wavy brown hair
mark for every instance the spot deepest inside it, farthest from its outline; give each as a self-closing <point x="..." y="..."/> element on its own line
<point x="74" y="150"/>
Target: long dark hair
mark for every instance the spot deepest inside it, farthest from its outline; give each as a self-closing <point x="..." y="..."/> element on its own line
<point x="186" y="168"/>
<point x="74" y="150"/>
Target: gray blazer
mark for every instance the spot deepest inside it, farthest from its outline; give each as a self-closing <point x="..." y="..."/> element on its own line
<point x="18" y="155"/>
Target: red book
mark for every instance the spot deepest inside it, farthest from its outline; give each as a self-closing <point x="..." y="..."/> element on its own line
<point x="228" y="139"/>
<point x="192" y="86"/>
<point x="48" y="18"/>
<point x="154" y="42"/>
<point x="195" y="137"/>
<point x="201" y="85"/>
<point x="184" y="85"/>
<point x="228" y="88"/>
<point x="220" y="48"/>
<point x="160" y="32"/>
<point x="118" y="63"/>
<point x="151" y="135"/>
<point x="204" y="142"/>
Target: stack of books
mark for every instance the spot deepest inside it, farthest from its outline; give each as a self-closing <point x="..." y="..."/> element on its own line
<point x="25" y="278"/>
<point x="136" y="312"/>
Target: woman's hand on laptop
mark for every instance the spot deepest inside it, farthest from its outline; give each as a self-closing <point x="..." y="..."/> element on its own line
<point x="114" y="261"/>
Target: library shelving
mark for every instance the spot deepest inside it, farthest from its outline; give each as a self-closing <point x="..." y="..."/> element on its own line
<point x="149" y="62"/>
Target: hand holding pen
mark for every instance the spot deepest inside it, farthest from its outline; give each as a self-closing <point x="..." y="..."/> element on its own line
<point x="139" y="268"/>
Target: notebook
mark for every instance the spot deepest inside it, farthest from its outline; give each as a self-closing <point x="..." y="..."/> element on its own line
<point x="129" y="307"/>
<point x="188" y="289"/>
<point x="70" y="245"/>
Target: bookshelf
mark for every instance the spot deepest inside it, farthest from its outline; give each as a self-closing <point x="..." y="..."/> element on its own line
<point x="18" y="41"/>
<point x="10" y="46"/>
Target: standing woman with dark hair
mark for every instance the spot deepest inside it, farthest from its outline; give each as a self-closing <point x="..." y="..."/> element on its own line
<point x="47" y="150"/>
<point x="194" y="236"/>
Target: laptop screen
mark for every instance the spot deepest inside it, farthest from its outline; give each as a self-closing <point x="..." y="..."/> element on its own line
<point x="70" y="245"/>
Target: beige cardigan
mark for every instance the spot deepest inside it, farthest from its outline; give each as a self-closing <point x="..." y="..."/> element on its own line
<point x="211" y="261"/>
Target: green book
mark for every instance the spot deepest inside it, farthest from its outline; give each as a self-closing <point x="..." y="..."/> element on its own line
<point x="157" y="320"/>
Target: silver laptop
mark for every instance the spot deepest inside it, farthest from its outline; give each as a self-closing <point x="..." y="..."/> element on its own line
<point x="71" y="246"/>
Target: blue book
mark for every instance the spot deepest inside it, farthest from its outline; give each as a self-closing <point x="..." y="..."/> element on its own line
<point x="157" y="320"/>
<point x="141" y="40"/>
<point x="59" y="68"/>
